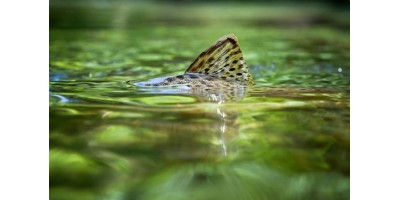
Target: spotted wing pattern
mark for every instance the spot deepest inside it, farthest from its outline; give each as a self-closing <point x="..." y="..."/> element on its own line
<point x="223" y="60"/>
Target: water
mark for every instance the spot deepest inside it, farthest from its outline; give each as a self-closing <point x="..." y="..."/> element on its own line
<point x="285" y="138"/>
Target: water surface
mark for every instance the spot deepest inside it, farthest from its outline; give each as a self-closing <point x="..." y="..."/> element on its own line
<point x="285" y="138"/>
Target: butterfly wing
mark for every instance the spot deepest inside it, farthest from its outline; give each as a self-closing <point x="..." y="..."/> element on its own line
<point x="223" y="60"/>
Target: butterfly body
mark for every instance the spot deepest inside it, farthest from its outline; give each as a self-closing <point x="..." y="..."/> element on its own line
<point x="189" y="80"/>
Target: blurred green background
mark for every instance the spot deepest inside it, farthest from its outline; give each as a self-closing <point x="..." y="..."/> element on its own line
<point x="109" y="140"/>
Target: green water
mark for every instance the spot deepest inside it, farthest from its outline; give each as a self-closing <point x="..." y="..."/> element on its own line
<point x="287" y="138"/>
